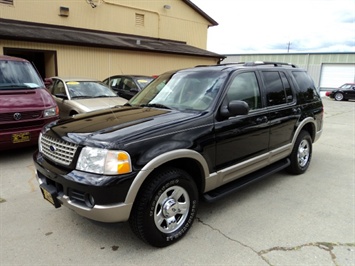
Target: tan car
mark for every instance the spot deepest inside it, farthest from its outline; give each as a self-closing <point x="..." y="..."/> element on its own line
<point x="79" y="95"/>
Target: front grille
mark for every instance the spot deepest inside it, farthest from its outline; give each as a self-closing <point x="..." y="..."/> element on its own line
<point x="29" y="115"/>
<point x="57" y="150"/>
<point x="22" y="125"/>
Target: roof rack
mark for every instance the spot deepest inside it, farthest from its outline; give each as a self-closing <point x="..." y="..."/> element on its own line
<point x="262" y="63"/>
<point x="256" y="63"/>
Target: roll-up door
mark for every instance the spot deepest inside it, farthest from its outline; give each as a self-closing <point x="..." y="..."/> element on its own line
<point x="335" y="75"/>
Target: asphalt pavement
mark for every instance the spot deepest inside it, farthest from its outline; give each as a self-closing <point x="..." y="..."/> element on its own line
<point x="282" y="220"/>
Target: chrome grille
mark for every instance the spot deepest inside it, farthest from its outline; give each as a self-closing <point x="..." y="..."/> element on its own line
<point x="57" y="150"/>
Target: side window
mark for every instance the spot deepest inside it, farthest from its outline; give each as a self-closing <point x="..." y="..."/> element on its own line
<point x="245" y="87"/>
<point x="275" y="93"/>
<point x="306" y="85"/>
<point x="129" y="84"/>
<point x="113" y="83"/>
<point x="287" y="86"/>
<point x="58" y="88"/>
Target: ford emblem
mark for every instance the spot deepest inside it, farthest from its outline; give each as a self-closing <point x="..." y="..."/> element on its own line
<point x="52" y="148"/>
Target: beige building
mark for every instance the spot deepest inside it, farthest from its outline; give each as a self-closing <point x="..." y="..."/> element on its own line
<point x="99" y="38"/>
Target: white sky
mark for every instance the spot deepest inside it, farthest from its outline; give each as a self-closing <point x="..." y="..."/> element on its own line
<point x="267" y="26"/>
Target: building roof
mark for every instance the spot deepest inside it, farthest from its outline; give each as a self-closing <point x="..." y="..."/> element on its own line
<point x="45" y="33"/>
<point x="201" y="12"/>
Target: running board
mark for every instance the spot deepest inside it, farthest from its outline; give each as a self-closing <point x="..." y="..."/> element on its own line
<point x="242" y="182"/>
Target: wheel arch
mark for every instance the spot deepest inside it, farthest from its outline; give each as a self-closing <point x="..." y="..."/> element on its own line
<point x="188" y="160"/>
<point x="309" y="125"/>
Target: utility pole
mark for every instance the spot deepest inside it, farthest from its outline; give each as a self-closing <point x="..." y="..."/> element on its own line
<point x="288" y="47"/>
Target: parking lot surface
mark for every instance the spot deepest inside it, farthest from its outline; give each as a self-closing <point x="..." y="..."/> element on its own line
<point x="281" y="220"/>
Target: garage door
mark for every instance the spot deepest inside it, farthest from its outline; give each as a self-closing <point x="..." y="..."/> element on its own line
<point x="335" y="75"/>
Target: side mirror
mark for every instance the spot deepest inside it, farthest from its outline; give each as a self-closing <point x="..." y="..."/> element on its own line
<point x="48" y="82"/>
<point x="234" y="108"/>
<point x="61" y="96"/>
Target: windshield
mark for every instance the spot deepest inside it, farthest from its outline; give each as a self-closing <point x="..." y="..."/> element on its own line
<point x="143" y="81"/>
<point x="18" y="75"/>
<point x="89" y="89"/>
<point x="193" y="90"/>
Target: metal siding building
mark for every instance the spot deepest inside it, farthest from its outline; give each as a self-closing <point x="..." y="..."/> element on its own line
<point x="326" y="69"/>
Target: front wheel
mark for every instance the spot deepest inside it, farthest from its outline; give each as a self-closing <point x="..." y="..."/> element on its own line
<point x="339" y="96"/>
<point x="301" y="154"/>
<point x="165" y="208"/>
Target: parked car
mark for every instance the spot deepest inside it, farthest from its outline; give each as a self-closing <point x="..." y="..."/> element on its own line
<point x="25" y="104"/>
<point x="203" y="132"/>
<point x="81" y="95"/>
<point x="327" y="93"/>
<point x="343" y="93"/>
<point x="127" y="86"/>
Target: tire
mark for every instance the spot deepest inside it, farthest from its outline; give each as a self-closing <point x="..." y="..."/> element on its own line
<point x="339" y="96"/>
<point x="301" y="154"/>
<point x="165" y="208"/>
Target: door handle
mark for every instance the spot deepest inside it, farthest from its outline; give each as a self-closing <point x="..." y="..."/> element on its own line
<point x="262" y="119"/>
<point x="296" y="111"/>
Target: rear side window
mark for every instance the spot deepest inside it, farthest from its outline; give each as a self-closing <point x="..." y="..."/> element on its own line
<point x="306" y="86"/>
<point x="278" y="89"/>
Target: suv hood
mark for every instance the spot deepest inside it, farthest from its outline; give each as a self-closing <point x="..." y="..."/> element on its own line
<point x="110" y="127"/>
<point x="25" y="100"/>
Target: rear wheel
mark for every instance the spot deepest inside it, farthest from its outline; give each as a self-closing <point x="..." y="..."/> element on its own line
<point x="301" y="154"/>
<point x="339" y="96"/>
<point x="165" y="208"/>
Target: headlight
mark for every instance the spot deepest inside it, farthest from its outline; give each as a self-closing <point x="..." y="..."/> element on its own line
<point x="50" y="112"/>
<point x="102" y="161"/>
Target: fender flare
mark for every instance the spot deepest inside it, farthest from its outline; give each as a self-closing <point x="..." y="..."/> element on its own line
<point x="158" y="161"/>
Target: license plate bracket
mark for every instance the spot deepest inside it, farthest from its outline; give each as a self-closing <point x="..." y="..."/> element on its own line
<point x="50" y="194"/>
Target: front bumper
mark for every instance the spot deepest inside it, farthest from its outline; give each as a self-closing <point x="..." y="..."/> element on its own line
<point x="99" y="198"/>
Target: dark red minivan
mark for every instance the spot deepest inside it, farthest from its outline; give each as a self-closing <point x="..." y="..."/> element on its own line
<point x="25" y="104"/>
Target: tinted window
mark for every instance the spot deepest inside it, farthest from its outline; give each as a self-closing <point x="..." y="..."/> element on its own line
<point x="245" y="87"/>
<point x="275" y="93"/>
<point x="288" y="90"/>
<point x="306" y="86"/>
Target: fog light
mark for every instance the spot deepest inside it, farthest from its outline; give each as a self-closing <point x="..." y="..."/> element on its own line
<point x="89" y="200"/>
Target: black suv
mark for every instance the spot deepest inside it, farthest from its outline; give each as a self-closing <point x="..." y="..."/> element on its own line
<point x="195" y="133"/>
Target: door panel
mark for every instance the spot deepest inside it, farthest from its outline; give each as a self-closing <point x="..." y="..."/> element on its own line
<point x="242" y="137"/>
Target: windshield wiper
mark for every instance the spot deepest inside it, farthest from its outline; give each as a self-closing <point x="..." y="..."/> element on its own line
<point x="104" y="96"/>
<point x="157" y="105"/>
<point x="81" y="97"/>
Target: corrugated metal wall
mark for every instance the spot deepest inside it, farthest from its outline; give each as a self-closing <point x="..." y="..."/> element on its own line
<point x="312" y="62"/>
